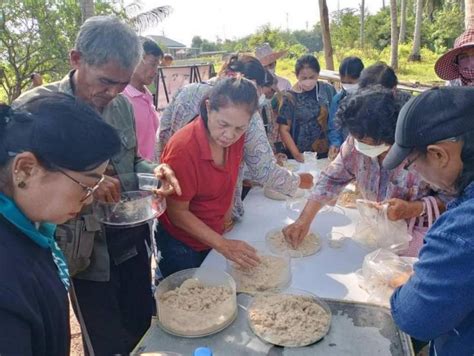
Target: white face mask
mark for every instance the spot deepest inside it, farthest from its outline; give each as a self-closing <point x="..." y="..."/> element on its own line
<point x="370" y="151"/>
<point x="350" y="88"/>
<point x="262" y="100"/>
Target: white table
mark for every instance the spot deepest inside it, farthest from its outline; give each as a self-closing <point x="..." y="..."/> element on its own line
<point x="331" y="272"/>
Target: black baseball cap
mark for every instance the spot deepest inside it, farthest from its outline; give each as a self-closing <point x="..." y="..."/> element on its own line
<point x="60" y="129"/>
<point x="433" y="116"/>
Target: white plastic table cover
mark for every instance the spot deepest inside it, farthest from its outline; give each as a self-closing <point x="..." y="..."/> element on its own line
<point x="331" y="272"/>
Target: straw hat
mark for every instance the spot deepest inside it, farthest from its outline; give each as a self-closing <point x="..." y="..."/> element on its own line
<point x="446" y="67"/>
<point x="266" y="55"/>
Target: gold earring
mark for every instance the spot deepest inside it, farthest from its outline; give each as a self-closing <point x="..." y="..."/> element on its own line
<point x="21" y="185"/>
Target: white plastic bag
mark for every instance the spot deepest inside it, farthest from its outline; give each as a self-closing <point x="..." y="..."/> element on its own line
<point x="375" y="230"/>
<point x="382" y="271"/>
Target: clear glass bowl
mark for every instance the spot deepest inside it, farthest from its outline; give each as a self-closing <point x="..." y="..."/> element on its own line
<point x="282" y="318"/>
<point x="134" y="207"/>
<point x="277" y="244"/>
<point x="273" y="273"/>
<point x="188" y="311"/>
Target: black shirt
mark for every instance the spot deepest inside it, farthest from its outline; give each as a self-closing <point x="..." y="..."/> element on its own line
<point x="34" y="309"/>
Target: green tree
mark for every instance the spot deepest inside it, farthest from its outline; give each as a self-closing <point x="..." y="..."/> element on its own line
<point x="377" y="29"/>
<point x="312" y="40"/>
<point x="343" y="25"/>
<point x="208" y="46"/>
<point x="196" y="42"/>
<point x="27" y="45"/>
<point x="447" y="24"/>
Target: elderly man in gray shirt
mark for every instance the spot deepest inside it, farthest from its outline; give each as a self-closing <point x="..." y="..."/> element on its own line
<point x="110" y="266"/>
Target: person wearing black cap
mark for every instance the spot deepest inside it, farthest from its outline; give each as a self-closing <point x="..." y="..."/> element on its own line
<point x="435" y="136"/>
<point x="110" y="266"/>
<point x="43" y="181"/>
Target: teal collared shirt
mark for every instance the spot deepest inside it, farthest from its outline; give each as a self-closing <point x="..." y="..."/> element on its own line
<point x="119" y="114"/>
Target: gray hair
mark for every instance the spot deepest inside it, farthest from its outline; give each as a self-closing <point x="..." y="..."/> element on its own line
<point x="105" y="38"/>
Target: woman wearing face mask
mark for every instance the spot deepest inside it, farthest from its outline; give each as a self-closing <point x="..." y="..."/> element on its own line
<point x="206" y="156"/>
<point x="370" y="116"/>
<point x="349" y="73"/>
<point x="435" y="135"/>
<point x="53" y="153"/>
<point x="457" y="65"/>
<point x="303" y="115"/>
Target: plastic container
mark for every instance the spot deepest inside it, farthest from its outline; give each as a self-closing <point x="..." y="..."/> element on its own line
<point x="274" y="195"/>
<point x="277" y="244"/>
<point x="196" y="302"/>
<point x="272" y="274"/>
<point x="310" y="157"/>
<point x="296" y="205"/>
<point x="336" y="239"/>
<point x="292" y="318"/>
<point x="147" y="181"/>
<point x="135" y="207"/>
<point x="291" y="164"/>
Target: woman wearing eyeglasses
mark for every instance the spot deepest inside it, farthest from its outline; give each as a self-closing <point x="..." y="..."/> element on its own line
<point x="49" y="170"/>
<point x="370" y="116"/>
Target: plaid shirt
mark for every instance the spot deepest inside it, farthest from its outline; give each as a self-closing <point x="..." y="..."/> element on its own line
<point x="374" y="182"/>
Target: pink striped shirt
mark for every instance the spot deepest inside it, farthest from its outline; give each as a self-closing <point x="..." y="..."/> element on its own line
<point x="146" y="120"/>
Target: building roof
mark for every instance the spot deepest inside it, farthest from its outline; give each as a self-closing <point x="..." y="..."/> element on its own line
<point x="167" y="42"/>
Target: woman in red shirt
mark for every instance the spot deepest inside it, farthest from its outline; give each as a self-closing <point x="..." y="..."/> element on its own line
<point x="206" y="155"/>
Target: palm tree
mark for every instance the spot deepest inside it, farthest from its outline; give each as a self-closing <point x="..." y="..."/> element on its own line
<point x="362" y="23"/>
<point x="469" y="11"/>
<point x="142" y="20"/>
<point x="87" y="9"/>
<point x="324" y="18"/>
<point x="394" y="35"/>
<point x="403" y="21"/>
<point x="415" y="52"/>
<point x="433" y="5"/>
<point x="134" y="12"/>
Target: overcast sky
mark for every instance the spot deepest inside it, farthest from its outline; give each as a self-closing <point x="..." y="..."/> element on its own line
<point x="238" y="18"/>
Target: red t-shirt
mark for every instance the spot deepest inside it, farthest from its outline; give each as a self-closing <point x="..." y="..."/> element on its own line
<point x="208" y="188"/>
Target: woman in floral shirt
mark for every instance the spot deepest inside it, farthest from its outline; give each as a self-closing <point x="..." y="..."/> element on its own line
<point x="370" y="115"/>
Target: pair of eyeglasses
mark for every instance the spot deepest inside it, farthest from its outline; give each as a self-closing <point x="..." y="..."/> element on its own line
<point x="88" y="190"/>
<point x="411" y="161"/>
<point x="271" y="65"/>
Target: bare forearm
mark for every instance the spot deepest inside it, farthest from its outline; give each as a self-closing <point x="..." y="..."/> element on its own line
<point x="310" y="210"/>
<point x="289" y="142"/>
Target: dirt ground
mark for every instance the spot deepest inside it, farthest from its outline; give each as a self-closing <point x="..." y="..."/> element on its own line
<point x="76" y="339"/>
